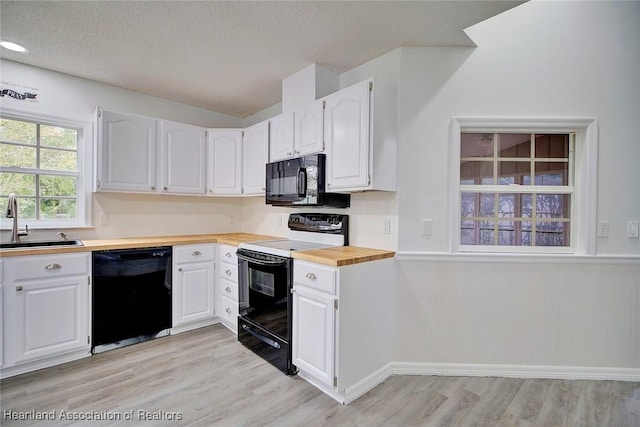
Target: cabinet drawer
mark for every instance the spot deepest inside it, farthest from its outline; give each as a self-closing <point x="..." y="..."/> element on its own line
<point x="229" y="271"/>
<point x="45" y="266"/>
<point x="227" y="253"/>
<point x="315" y="276"/>
<point x="193" y="253"/>
<point x="229" y="310"/>
<point x="228" y="289"/>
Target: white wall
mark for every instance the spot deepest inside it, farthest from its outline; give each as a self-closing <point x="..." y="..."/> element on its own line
<point x="73" y="98"/>
<point x="541" y="59"/>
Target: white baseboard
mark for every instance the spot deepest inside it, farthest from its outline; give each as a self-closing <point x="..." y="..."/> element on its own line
<point x="361" y="387"/>
<point x="194" y="325"/>
<point x="516" y="371"/>
<point x="356" y="390"/>
<point x="48" y="362"/>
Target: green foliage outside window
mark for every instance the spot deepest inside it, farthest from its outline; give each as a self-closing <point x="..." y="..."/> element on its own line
<point x="40" y="164"/>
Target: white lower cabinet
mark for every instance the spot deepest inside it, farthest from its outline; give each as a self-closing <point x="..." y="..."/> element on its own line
<point x="342" y="325"/>
<point x="193" y="286"/>
<point x="46" y="306"/>
<point x="227" y="287"/>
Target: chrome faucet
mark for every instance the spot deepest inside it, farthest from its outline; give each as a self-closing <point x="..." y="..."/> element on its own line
<point x="12" y="212"/>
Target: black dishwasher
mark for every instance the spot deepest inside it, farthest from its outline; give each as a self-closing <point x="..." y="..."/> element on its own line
<point x="131" y="296"/>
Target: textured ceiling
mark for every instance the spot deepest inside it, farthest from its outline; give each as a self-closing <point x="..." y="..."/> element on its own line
<point x="225" y="56"/>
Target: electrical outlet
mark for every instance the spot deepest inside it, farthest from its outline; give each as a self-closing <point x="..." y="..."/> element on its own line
<point x="105" y="219"/>
<point x="427" y="227"/>
<point x="632" y="229"/>
<point x="603" y="228"/>
<point x="386" y="226"/>
<point x="279" y="221"/>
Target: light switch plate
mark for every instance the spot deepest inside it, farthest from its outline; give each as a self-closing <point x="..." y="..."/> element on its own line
<point x="603" y="228"/>
<point x="632" y="229"/>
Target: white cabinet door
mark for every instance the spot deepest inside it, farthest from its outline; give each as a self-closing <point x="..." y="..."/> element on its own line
<point x="308" y="129"/>
<point x="347" y="135"/>
<point x="224" y="161"/>
<point x="255" y="151"/>
<point x="127" y="148"/>
<point x="51" y="317"/>
<point x="193" y="293"/>
<point x="314" y="333"/>
<point x="183" y="151"/>
<point x="281" y="137"/>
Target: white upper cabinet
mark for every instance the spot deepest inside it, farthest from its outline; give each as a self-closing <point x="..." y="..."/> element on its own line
<point x="144" y="155"/>
<point x="224" y="158"/>
<point x="281" y="137"/>
<point x="183" y="152"/>
<point x="297" y="133"/>
<point x="126" y="153"/>
<point x="255" y="150"/>
<point x="308" y="129"/>
<point x="361" y="137"/>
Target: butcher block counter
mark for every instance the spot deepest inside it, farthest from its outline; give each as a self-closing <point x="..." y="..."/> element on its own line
<point x="342" y="255"/>
<point x="335" y="256"/>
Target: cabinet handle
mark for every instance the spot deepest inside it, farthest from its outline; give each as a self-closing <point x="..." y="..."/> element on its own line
<point x="228" y="289"/>
<point x="53" y="266"/>
<point x="196" y="253"/>
<point x="293" y="291"/>
<point x="228" y="272"/>
<point x="311" y="276"/>
<point x="165" y="188"/>
<point x="153" y="188"/>
<point x="228" y="310"/>
<point x="297" y="151"/>
<point x="180" y="269"/>
<point x="18" y="288"/>
<point x="228" y="254"/>
<point x="288" y="153"/>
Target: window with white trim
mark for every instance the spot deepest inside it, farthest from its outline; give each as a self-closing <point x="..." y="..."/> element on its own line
<point x="41" y="162"/>
<point x="516" y="189"/>
<point x="524" y="185"/>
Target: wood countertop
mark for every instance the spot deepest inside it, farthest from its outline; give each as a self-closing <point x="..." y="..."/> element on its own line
<point x="336" y="256"/>
<point x="233" y="239"/>
<point x="342" y="255"/>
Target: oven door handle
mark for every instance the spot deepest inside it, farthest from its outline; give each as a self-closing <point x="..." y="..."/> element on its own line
<point x="262" y="262"/>
<point x="261" y="337"/>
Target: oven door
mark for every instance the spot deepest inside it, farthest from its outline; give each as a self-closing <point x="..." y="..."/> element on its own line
<point x="264" y="291"/>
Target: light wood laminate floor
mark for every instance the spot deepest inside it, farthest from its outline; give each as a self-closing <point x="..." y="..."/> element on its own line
<point x="206" y="378"/>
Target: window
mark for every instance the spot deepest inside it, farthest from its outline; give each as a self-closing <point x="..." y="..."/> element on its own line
<point x="42" y="163"/>
<point x="520" y="188"/>
<point x="515" y="189"/>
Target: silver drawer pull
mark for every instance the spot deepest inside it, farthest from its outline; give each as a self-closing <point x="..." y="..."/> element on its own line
<point x="228" y="310"/>
<point x="196" y="253"/>
<point x="18" y="288"/>
<point x="228" y="254"/>
<point x="311" y="276"/>
<point x="228" y="272"/>
<point x="228" y="289"/>
<point x="52" y="266"/>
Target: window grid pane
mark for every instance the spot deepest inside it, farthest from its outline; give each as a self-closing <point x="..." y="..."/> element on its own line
<point x="535" y="209"/>
<point x="41" y="150"/>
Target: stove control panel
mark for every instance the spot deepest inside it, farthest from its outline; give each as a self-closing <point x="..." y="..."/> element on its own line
<point x="320" y="223"/>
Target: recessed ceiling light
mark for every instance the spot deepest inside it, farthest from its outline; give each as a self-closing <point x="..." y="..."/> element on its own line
<point x="14" y="46"/>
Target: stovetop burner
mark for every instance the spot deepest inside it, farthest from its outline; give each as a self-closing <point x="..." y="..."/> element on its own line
<point x="307" y="231"/>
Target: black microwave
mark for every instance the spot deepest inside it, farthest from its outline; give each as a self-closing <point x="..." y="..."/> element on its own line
<point x="301" y="182"/>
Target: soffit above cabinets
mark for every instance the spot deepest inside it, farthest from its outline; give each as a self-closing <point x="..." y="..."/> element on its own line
<point x="226" y="56"/>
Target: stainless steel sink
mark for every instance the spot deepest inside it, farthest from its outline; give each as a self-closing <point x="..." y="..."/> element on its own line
<point x="40" y="244"/>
